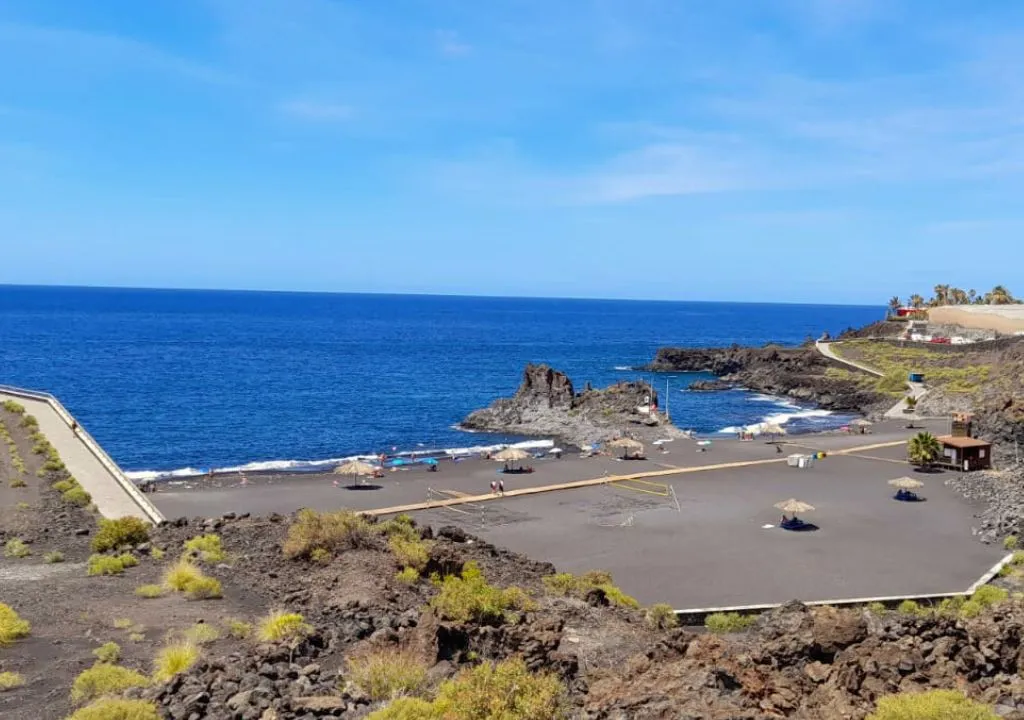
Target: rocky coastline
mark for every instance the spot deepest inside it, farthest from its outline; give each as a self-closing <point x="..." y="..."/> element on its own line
<point x="796" y="372"/>
<point x="547" y="404"/>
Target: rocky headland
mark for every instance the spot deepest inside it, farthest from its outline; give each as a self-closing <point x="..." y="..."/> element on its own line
<point x="547" y="404"/>
<point x="797" y="372"/>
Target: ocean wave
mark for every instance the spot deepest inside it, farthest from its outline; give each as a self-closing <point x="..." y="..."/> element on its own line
<point x="780" y="418"/>
<point x="623" y="367"/>
<point x="314" y="465"/>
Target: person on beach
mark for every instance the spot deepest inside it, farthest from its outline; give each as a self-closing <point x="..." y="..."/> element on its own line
<point x="494" y="487"/>
<point x="74" y="426"/>
<point x="501" y="487"/>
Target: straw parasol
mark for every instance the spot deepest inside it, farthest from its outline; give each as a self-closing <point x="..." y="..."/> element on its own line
<point x="510" y="455"/>
<point x="906" y="483"/>
<point x="355" y="468"/>
<point x="628" y="445"/>
<point x="794" y="506"/>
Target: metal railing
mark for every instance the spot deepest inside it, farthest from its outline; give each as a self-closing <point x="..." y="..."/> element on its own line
<point x="148" y="509"/>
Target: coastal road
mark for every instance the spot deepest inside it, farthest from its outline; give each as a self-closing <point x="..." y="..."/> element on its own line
<point x="115" y="495"/>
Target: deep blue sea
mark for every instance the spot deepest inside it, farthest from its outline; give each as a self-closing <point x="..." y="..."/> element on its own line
<point x="173" y="379"/>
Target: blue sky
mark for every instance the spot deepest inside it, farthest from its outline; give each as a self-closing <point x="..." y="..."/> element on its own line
<point x="776" y="150"/>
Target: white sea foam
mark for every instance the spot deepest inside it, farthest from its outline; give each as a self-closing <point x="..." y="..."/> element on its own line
<point x="313" y="465"/>
<point x="779" y="418"/>
<point x="623" y="367"/>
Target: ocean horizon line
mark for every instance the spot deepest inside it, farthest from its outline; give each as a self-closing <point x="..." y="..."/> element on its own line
<point x="438" y="295"/>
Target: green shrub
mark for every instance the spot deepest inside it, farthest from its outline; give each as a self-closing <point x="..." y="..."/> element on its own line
<point x="182" y="575"/>
<point x="205" y="588"/>
<point x="989" y="595"/>
<point x="877" y="608"/>
<point x="507" y="690"/>
<point x="387" y="674"/>
<point x="400" y="526"/>
<point x="23" y="506"/>
<point x="201" y="634"/>
<point x="156" y="553"/>
<point x="406" y="709"/>
<point x="894" y="383"/>
<point x="909" y="607"/>
<point x="1018" y="558"/>
<point x="239" y="629"/>
<point x="123" y="623"/>
<point x="951" y="606"/>
<point x="10" y="681"/>
<point x="41" y="447"/>
<point x="931" y="705"/>
<point x="103" y="679"/>
<point x="17" y="482"/>
<point x="16" y="548"/>
<point x="469" y="597"/>
<point x="54" y="465"/>
<point x="14" y="406"/>
<point x="174" y="659"/>
<point x="330" y="531"/>
<point x="29" y="421"/>
<point x="108" y="652"/>
<point x="136" y="637"/>
<point x="77" y="496"/>
<point x="1010" y="542"/>
<point x="12" y="627"/>
<point x="321" y="556"/>
<point x="122" y="532"/>
<point x="409" y="553"/>
<point x="62" y="486"/>
<point x="117" y="709"/>
<point x="728" y="622"/>
<point x="407" y="576"/>
<point x="282" y="626"/>
<point x="55" y="556"/>
<point x="578" y="586"/>
<point x="149" y="592"/>
<point x="207" y="548"/>
<point x="971" y="609"/>
<point x="661" y="617"/>
<point x="110" y="564"/>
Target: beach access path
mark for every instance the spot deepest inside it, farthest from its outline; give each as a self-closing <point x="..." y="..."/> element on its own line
<point x="113" y="493"/>
<point x="916" y="390"/>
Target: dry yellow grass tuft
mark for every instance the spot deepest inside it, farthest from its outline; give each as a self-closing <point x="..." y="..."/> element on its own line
<point x="12" y="627"/>
<point x="104" y="679"/>
<point x="117" y="709"/>
<point x="388" y="674"/>
<point x="282" y="626"/>
<point x="174" y="659"/>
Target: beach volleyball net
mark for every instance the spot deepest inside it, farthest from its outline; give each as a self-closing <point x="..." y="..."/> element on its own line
<point x="627" y="500"/>
<point x="464" y="514"/>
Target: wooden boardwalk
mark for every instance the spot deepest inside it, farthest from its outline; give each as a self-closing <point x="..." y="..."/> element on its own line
<point x="604" y="480"/>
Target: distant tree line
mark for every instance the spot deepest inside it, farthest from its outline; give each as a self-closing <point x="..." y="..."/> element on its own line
<point x="949" y="295"/>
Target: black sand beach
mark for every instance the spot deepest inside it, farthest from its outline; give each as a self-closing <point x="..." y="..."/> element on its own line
<point x="714" y="551"/>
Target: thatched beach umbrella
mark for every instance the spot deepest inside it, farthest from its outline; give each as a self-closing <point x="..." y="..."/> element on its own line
<point x="510" y="455"/>
<point x="628" y="446"/>
<point x="773" y="429"/>
<point x="794" y="506"/>
<point x="355" y="468"/>
<point x="906" y="483"/>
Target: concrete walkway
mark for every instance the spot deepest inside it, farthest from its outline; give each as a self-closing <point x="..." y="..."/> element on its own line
<point x="826" y="349"/>
<point x="114" y="494"/>
<point x="917" y="390"/>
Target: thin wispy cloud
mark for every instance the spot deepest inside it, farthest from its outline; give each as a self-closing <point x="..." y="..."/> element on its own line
<point x="83" y="50"/>
<point x="451" y="45"/>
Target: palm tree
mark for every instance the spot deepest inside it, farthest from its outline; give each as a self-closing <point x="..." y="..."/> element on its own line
<point x="957" y="296"/>
<point x="916" y="301"/>
<point x="894" y="304"/>
<point x="941" y="295"/>
<point x="1000" y="296"/>
<point x="972" y="296"/>
<point x="923" y="449"/>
